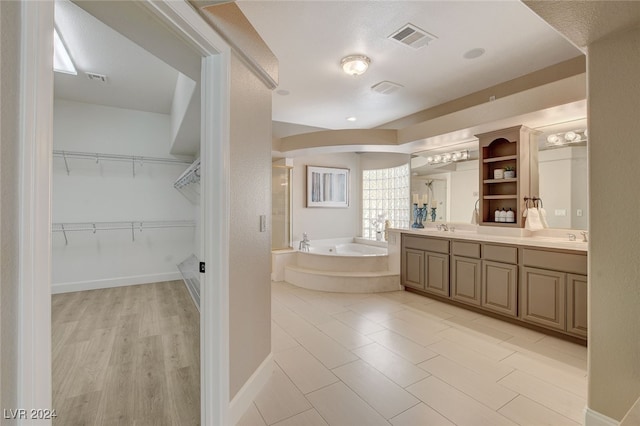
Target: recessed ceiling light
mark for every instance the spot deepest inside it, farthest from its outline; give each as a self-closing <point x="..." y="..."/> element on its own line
<point x="283" y="92"/>
<point x="351" y="118"/>
<point x="355" y="64"/>
<point x="474" y="53"/>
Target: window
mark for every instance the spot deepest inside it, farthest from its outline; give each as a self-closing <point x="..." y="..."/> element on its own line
<point x="385" y="196"/>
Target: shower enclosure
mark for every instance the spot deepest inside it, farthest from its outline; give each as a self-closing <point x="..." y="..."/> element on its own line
<point x="281" y="207"/>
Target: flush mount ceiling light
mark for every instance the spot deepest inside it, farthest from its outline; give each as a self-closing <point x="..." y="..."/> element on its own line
<point x="61" y="59"/>
<point x="355" y="64"/>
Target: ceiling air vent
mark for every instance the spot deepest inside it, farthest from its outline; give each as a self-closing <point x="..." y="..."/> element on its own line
<point x="386" y="87"/>
<point x="412" y="36"/>
<point x="96" y="77"/>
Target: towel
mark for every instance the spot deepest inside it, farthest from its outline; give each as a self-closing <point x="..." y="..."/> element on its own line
<point x="532" y="221"/>
<point x="543" y="217"/>
<point x="475" y="217"/>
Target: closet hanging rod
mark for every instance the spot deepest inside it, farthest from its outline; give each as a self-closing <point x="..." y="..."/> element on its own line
<point x="97" y="156"/>
<point x="119" y="226"/>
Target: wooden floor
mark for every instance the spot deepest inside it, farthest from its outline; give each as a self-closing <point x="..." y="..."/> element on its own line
<point x="126" y="356"/>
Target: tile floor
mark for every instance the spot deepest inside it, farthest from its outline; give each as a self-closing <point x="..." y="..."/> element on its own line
<point x="406" y="360"/>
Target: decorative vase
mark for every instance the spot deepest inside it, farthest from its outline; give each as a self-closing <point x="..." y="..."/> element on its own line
<point x="498" y="174"/>
<point x="509" y="174"/>
<point x="378" y="235"/>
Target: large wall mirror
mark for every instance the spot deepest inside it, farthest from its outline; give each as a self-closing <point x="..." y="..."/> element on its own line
<point x="562" y="167"/>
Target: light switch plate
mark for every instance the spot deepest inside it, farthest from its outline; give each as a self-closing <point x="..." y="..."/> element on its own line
<point x="561" y="212"/>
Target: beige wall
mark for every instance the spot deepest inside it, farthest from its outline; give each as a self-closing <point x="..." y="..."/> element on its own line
<point x="614" y="276"/>
<point x="249" y="249"/>
<point x="9" y="85"/>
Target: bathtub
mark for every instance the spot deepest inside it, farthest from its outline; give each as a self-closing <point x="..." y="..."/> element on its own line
<point x="343" y="266"/>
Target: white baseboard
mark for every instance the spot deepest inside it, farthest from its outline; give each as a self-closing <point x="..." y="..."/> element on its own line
<point x="245" y="396"/>
<point x="114" y="282"/>
<point x="593" y="418"/>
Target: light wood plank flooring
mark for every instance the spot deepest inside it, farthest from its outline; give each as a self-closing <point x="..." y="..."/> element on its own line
<point x="402" y="359"/>
<point x="126" y="356"/>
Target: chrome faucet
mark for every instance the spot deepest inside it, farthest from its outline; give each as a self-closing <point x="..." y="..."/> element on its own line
<point x="442" y="227"/>
<point x="572" y="237"/>
<point x="305" y="243"/>
<point x="585" y="236"/>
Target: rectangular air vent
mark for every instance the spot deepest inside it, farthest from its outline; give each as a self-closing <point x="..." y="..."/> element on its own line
<point x="96" y="77"/>
<point x="412" y="36"/>
<point x="386" y="87"/>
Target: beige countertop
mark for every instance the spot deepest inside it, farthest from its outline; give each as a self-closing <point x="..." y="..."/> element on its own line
<point x="542" y="241"/>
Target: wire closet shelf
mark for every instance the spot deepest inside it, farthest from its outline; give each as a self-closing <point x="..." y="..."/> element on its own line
<point x="133" y="159"/>
<point x="133" y="226"/>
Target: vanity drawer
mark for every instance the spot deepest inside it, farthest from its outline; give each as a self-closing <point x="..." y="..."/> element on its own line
<point x="466" y="249"/>
<point x="558" y="261"/>
<point x="426" y="244"/>
<point x="497" y="253"/>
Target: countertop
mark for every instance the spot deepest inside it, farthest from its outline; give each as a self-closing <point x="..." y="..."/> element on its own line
<point x="541" y="241"/>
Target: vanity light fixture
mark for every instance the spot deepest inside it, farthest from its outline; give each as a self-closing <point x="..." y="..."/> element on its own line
<point x="355" y="64"/>
<point x="572" y="136"/>
<point x="448" y="157"/>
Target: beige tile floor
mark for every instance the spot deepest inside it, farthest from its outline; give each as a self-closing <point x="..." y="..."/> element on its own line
<point x="405" y="360"/>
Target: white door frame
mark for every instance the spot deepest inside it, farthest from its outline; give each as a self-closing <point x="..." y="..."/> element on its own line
<point x="36" y="140"/>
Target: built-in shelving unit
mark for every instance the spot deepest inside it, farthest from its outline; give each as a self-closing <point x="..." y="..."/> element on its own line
<point x="512" y="147"/>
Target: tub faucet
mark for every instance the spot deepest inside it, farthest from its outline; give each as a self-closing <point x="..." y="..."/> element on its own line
<point x="305" y="243"/>
<point x="585" y="236"/>
<point x="442" y="227"/>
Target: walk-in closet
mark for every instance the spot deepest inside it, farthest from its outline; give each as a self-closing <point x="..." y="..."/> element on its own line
<point x="126" y="226"/>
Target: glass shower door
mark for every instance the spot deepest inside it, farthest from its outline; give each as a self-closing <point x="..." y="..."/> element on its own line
<point x="280" y="207"/>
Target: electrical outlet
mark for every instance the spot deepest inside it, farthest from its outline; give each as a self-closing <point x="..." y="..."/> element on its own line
<point x="579" y="212"/>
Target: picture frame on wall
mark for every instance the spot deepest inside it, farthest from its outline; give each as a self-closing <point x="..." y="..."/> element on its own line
<point x="327" y="187"/>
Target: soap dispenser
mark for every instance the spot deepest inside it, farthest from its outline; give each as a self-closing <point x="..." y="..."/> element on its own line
<point x="511" y="216"/>
<point x="503" y="215"/>
<point x="496" y="215"/>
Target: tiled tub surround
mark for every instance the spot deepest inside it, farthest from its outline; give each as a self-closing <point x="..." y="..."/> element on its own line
<point x="535" y="280"/>
<point x="339" y="265"/>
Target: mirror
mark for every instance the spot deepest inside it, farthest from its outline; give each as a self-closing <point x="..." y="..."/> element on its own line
<point x="562" y="178"/>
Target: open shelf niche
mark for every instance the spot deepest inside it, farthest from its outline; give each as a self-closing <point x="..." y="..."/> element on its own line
<point x="515" y="147"/>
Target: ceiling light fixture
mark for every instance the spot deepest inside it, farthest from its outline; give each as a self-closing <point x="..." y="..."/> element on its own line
<point x="355" y="64"/>
<point x="572" y="136"/>
<point x="448" y="157"/>
<point x="61" y="59"/>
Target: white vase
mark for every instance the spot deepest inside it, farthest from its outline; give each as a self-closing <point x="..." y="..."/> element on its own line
<point x="498" y="174"/>
<point x="509" y="174"/>
<point x="378" y="235"/>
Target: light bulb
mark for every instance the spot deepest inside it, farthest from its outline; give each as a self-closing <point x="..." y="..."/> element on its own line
<point x="570" y="136"/>
<point x="553" y="139"/>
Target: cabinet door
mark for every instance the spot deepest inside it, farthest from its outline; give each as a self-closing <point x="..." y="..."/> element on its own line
<point x="543" y="297"/>
<point x="465" y="280"/>
<point x="413" y="268"/>
<point x="436" y="273"/>
<point x="577" y="304"/>
<point x="500" y="287"/>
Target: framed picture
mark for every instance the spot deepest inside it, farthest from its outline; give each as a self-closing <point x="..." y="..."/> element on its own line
<point x="327" y="187"/>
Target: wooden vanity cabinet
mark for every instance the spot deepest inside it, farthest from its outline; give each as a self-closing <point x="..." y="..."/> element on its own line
<point x="425" y="264"/>
<point x="466" y="273"/>
<point x="500" y="279"/>
<point x="554" y="290"/>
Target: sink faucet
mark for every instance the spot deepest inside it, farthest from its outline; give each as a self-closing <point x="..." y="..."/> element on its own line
<point x="442" y="227"/>
<point x="572" y="237"/>
<point x="585" y="236"/>
<point x="305" y="243"/>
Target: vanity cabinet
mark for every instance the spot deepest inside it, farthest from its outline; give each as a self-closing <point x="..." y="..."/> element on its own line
<point x="466" y="272"/>
<point x="425" y="264"/>
<point x="516" y="148"/>
<point x="544" y="287"/>
<point x="554" y="290"/>
<point x="500" y="279"/>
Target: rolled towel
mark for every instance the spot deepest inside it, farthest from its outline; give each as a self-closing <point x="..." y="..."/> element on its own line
<point x="475" y="217"/>
<point x="532" y="221"/>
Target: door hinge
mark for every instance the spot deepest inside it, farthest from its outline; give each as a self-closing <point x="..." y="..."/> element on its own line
<point x="202" y="267"/>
